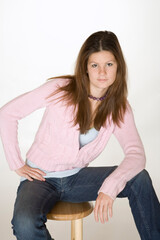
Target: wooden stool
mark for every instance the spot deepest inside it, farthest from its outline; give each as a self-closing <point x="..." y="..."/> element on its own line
<point x="74" y="212"/>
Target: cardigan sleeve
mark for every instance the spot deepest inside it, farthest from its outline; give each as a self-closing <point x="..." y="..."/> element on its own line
<point x="134" y="160"/>
<point x="17" y="109"/>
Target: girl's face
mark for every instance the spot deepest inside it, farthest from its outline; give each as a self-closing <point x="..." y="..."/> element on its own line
<point x="102" y="70"/>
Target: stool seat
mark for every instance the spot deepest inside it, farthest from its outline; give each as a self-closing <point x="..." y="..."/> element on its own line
<point x="70" y="211"/>
<point x="75" y="212"/>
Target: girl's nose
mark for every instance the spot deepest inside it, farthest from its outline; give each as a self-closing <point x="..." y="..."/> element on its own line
<point x="102" y="70"/>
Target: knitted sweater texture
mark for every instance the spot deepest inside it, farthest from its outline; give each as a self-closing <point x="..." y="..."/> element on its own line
<point x="56" y="144"/>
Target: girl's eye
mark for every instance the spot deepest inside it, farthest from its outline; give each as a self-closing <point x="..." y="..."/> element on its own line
<point x="94" y="65"/>
<point x="109" y="64"/>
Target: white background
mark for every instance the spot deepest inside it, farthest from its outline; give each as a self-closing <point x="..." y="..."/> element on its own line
<point x="40" y="39"/>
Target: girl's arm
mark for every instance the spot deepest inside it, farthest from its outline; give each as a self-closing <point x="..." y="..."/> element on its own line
<point x="132" y="164"/>
<point x="17" y="109"/>
<point x="134" y="160"/>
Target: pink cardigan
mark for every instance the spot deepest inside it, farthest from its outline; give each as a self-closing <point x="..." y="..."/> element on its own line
<point x="56" y="144"/>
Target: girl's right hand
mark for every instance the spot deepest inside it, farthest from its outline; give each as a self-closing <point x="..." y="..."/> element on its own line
<point x="31" y="173"/>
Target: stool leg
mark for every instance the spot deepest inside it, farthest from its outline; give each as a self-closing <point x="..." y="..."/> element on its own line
<point x="77" y="229"/>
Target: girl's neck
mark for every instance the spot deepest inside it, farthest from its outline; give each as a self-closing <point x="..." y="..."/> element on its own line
<point x="94" y="106"/>
<point x="97" y="98"/>
<point x="97" y="93"/>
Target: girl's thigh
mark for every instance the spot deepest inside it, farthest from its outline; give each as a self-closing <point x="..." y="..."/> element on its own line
<point x="86" y="184"/>
<point x="35" y="197"/>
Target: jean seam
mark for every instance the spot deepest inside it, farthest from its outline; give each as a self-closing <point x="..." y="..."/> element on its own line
<point x="141" y="212"/>
<point x="42" y="213"/>
<point x="70" y="184"/>
<point x="48" y="197"/>
<point x="73" y="183"/>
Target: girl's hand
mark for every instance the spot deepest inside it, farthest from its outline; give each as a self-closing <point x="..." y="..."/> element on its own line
<point x="30" y="173"/>
<point x="103" y="207"/>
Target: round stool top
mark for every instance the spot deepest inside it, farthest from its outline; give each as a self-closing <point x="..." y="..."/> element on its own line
<point x="70" y="211"/>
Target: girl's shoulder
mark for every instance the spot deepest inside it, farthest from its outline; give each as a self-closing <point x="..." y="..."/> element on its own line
<point x="59" y="81"/>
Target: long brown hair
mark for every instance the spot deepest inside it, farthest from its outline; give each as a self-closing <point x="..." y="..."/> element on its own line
<point x="76" y="92"/>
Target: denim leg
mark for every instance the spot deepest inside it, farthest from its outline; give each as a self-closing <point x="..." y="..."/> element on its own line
<point x="144" y="205"/>
<point x="34" y="200"/>
<point x="139" y="190"/>
<point x="84" y="185"/>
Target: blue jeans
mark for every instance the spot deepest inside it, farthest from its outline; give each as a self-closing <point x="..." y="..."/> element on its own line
<point x="35" y="199"/>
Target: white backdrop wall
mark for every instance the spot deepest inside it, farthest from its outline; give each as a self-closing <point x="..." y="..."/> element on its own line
<point x="41" y="39"/>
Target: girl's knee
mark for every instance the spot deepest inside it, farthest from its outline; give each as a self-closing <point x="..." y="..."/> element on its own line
<point x="26" y="222"/>
<point x="22" y="223"/>
<point x="142" y="179"/>
<point x="143" y="176"/>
